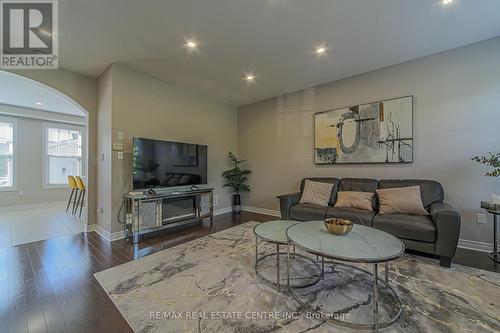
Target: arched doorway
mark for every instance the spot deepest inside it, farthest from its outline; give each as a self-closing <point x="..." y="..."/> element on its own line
<point x="47" y="140"/>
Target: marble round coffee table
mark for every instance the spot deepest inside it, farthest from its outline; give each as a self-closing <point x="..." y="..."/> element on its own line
<point x="274" y="232"/>
<point x="362" y="245"/>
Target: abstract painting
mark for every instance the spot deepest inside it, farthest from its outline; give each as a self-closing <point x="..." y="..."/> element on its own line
<point x="378" y="132"/>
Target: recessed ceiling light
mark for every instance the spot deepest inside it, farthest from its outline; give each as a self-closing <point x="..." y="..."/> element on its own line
<point x="39" y="103"/>
<point x="320" y="50"/>
<point x="250" y="77"/>
<point x="446" y="2"/>
<point x="191" y="44"/>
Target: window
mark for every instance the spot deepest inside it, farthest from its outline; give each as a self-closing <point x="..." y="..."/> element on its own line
<point x="64" y="154"/>
<point x="7" y="154"/>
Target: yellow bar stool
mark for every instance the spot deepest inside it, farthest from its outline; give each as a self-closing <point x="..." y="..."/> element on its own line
<point x="81" y="197"/>
<point x="74" y="191"/>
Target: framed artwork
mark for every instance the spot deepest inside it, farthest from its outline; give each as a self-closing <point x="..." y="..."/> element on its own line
<point x="378" y="132"/>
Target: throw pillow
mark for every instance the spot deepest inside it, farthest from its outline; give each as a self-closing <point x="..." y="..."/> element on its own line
<point x="404" y="200"/>
<point x="353" y="199"/>
<point x="316" y="193"/>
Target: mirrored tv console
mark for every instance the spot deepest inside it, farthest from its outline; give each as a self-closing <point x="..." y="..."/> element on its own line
<point x="170" y="208"/>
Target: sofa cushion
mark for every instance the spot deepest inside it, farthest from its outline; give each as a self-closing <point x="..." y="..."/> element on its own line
<point x="401" y="200"/>
<point x="413" y="227"/>
<point x="360" y="185"/>
<point x="317" y="193"/>
<point x="430" y="190"/>
<point x="355" y="199"/>
<point x="358" y="216"/>
<point x="332" y="180"/>
<point x="307" y="212"/>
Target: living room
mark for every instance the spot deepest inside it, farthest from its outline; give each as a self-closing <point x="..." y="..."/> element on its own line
<point x="253" y="167"/>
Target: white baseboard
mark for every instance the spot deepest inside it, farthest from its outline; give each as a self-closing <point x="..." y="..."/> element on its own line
<point x="54" y="204"/>
<point x="462" y="243"/>
<point x="222" y="211"/>
<point x="105" y="233"/>
<point x="99" y="230"/>
<point x="88" y="228"/>
<point x="475" y="245"/>
<point x="258" y="210"/>
<point x="117" y="235"/>
<point x="121" y="234"/>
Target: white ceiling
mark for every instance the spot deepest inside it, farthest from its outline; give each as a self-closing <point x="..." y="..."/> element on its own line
<point x="19" y="91"/>
<point x="274" y="39"/>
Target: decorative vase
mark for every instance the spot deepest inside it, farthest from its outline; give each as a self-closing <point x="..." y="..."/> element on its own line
<point x="236" y="203"/>
<point x="338" y="226"/>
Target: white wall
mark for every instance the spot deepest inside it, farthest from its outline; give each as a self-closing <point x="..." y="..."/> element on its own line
<point x="104" y="109"/>
<point x="82" y="90"/>
<point x="30" y="154"/>
<point x="147" y="107"/>
<point x="456" y="116"/>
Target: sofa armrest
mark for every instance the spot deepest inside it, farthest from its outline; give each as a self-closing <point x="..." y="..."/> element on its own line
<point x="287" y="201"/>
<point x="447" y="222"/>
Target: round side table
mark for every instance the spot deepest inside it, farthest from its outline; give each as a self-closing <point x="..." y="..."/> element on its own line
<point x="495" y="210"/>
<point x="274" y="232"/>
<point x="362" y="245"/>
<point x="495" y="255"/>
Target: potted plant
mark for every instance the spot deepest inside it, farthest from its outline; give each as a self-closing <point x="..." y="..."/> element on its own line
<point x="493" y="161"/>
<point x="236" y="179"/>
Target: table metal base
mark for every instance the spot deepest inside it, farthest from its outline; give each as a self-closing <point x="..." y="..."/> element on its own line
<point x="277" y="284"/>
<point x="495" y="256"/>
<point x="376" y="325"/>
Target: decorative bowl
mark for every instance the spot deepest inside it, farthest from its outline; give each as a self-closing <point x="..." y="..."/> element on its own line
<point x="338" y="226"/>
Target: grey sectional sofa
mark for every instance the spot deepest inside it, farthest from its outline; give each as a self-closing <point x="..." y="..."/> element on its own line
<point x="435" y="234"/>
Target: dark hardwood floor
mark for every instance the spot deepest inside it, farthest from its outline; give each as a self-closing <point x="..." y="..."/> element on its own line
<point x="48" y="286"/>
<point x="476" y="259"/>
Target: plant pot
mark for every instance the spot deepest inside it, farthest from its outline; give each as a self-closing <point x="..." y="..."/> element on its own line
<point x="236" y="203"/>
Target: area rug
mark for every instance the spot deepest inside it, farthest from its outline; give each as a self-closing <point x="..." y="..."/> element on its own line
<point x="209" y="285"/>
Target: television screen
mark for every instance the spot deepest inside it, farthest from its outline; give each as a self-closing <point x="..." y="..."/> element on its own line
<point x="158" y="163"/>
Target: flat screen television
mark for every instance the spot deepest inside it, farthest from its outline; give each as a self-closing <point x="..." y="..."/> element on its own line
<point x="157" y="164"/>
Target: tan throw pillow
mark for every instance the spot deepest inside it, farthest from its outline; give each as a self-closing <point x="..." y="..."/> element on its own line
<point x="353" y="199"/>
<point x="404" y="200"/>
<point x="316" y="193"/>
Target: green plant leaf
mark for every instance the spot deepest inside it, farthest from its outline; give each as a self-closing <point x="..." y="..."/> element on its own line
<point x="236" y="177"/>
<point x="491" y="160"/>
